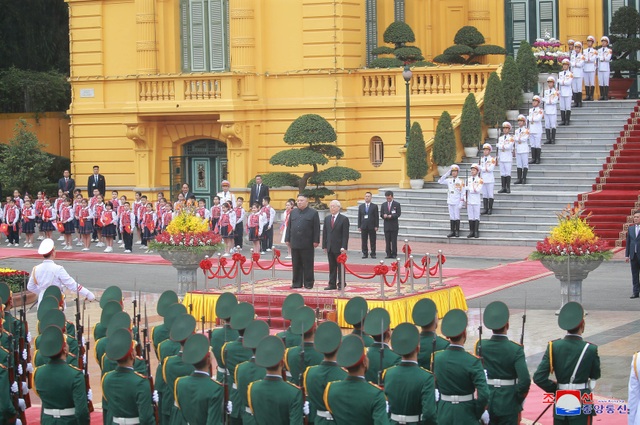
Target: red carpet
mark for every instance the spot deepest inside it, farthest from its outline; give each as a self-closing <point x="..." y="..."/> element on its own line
<point x="99" y="257"/>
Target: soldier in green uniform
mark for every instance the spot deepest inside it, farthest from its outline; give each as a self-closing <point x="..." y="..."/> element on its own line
<point x="200" y="399"/>
<point x="225" y="305"/>
<point x="112" y="293"/>
<point x="7" y="410"/>
<point x="380" y="354"/>
<point x="161" y="332"/>
<point x="54" y="291"/>
<point x="127" y="391"/>
<point x="355" y="401"/>
<point x="459" y="375"/>
<point x="108" y="311"/>
<point x="248" y="372"/>
<point x="291" y="304"/>
<point x="354" y="313"/>
<point x="272" y="400"/>
<point x="56" y="318"/>
<point x="47" y="304"/>
<point x="60" y="386"/>
<point x="425" y="315"/>
<point x="327" y="340"/>
<point x="574" y="361"/>
<point x="118" y="320"/>
<point x="505" y="365"/>
<point x="409" y="388"/>
<point x="297" y="359"/>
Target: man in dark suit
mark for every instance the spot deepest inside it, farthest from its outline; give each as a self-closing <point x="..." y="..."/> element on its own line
<point x="303" y="236"/>
<point x="96" y="181"/>
<point x="368" y="223"/>
<point x="389" y="212"/>
<point x="186" y="192"/>
<point x="335" y="237"/>
<point x="632" y="253"/>
<point x="258" y="191"/>
<point x="66" y="183"/>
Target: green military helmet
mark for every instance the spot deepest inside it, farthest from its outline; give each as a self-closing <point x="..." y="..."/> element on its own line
<point x="183" y="327"/>
<point x="166" y="299"/>
<point x="195" y="349"/>
<point x="51" y="341"/>
<point x="112" y="293"/>
<point x="119" y="320"/>
<point x="110" y="308"/>
<point x="355" y="310"/>
<point x="571" y="315"/>
<point x="254" y="333"/>
<point x="270" y="351"/>
<point x="424" y="312"/>
<point x="290" y="304"/>
<point x="302" y="320"/>
<point x="53" y="317"/>
<point x="47" y="304"/>
<point x="377" y="322"/>
<point x="53" y="291"/>
<point x="405" y="338"/>
<point x="496" y="315"/>
<point x="5" y="292"/>
<point x="173" y="311"/>
<point x="328" y="337"/>
<point x="225" y="305"/>
<point x="119" y="344"/>
<point x="242" y="316"/>
<point x="454" y="323"/>
<point x="351" y="351"/>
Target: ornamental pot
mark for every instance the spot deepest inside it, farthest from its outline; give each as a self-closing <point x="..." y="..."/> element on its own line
<point x="442" y="169"/>
<point x="618" y="87"/>
<point x="512" y="114"/>
<point x="29" y="299"/>
<point x="471" y="152"/>
<point x="527" y="97"/>
<point x="187" y="264"/>
<point x="416" y="183"/>
<point x="492" y="133"/>
<point x="542" y="80"/>
<point x="570" y="273"/>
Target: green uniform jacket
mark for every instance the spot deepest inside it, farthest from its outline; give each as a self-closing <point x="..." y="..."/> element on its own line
<point x="293" y="363"/>
<point x="561" y="358"/>
<point x="410" y="390"/>
<point x="129" y="395"/>
<point x="99" y="331"/>
<point x="289" y="338"/>
<point x="460" y="373"/>
<point x="275" y="402"/>
<point x="389" y="359"/>
<point x="246" y="373"/>
<point x="504" y="359"/>
<point x="166" y="348"/>
<point x="315" y="381"/>
<point x="234" y="353"/>
<point x="108" y="365"/>
<point x="200" y="399"/>
<point x="99" y="349"/>
<point x="368" y="340"/>
<point x="172" y="369"/>
<point x="355" y="401"/>
<point x="61" y="386"/>
<point x="158" y="334"/>
<point x="70" y="329"/>
<point x="219" y="337"/>
<point x="7" y="410"/>
<point x="40" y="360"/>
<point x="426" y="348"/>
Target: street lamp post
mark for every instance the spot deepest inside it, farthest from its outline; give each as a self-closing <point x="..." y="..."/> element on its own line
<point x="407" y="74"/>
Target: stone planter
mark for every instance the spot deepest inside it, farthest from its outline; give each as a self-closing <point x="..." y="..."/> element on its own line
<point x="187" y="264"/>
<point x="416" y="183"/>
<point x="471" y="152"/>
<point x="571" y="274"/>
<point x="442" y="169"/>
<point x="30" y="299"/>
<point x="619" y="87"/>
<point x="542" y="80"/>
<point x="527" y="97"/>
<point x="512" y="114"/>
<point x="492" y="133"/>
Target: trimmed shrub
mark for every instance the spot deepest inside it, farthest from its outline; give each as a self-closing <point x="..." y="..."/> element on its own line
<point x="444" y="144"/>
<point x="470" y="123"/>
<point x="494" y="110"/>
<point x="511" y="84"/>
<point x="417" y="166"/>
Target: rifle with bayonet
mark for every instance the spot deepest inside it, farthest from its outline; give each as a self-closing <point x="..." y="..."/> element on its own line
<point x="79" y="331"/>
<point x="20" y="358"/>
<point x="479" y="350"/>
<point x="381" y="353"/>
<point x="25" y="335"/>
<point x="225" y="382"/>
<point x="524" y="319"/>
<point x="87" y="381"/>
<point x="136" y="323"/>
<point x="300" y="379"/>
<point x="147" y="349"/>
<point x="15" y="396"/>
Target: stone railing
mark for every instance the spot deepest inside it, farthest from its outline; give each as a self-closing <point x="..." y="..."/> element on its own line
<point x="180" y="88"/>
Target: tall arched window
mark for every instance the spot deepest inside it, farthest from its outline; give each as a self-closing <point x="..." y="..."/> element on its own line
<point x="204" y="35"/>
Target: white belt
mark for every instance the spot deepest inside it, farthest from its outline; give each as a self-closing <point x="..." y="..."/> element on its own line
<point x="248" y="410"/>
<point x="573" y="386"/>
<point x="502" y="382"/>
<point x="126" y="421"/>
<point x="325" y="414"/>
<point x="405" y="419"/>
<point x="456" y="398"/>
<point x="56" y="413"/>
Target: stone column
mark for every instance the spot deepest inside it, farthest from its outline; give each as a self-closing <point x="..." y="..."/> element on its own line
<point x="146" y="46"/>
<point x="243" y="44"/>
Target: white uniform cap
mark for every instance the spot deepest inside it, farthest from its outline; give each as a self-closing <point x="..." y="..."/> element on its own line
<point x="591" y="38"/>
<point x="567" y="61"/>
<point x="476" y="166"/>
<point x="536" y="97"/>
<point x="46" y="246"/>
<point x="605" y="38"/>
<point x="225" y="182"/>
<point x="521" y="118"/>
<point x="506" y="124"/>
<point x="578" y="44"/>
<point x="551" y="79"/>
<point x="570" y="41"/>
<point x="487" y="146"/>
<point x="455" y="167"/>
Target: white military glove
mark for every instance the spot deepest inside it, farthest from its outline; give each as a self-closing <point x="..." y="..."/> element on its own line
<point x="90" y="395"/>
<point x="437" y="395"/>
<point x="19" y="369"/>
<point x="155" y="396"/>
<point x="84" y="341"/>
<point x="29" y="368"/>
<point x="592" y="384"/>
<point x="22" y="404"/>
<point x="18" y="422"/>
<point x="14" y="387"/>
<point x="25" y="388"/>
<point x="229" y="406"/>
<point x="305" y="408"/>
<point x="84" y="358"/>
<point x="91" y="297"/>
<point x="29" y="337"/>
<point x="387" y="407"/>
<point x="24" y="354"/>
<point x="485" y="418"/>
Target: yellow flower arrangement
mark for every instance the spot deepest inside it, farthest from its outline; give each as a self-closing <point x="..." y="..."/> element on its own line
<point x="187" y="232"/>
<point x="186" y="222"/>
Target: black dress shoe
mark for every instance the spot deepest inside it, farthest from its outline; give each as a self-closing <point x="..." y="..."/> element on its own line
<point x="373" y="255"/>
<point x="296" y="287"/>
<point x="634" y="296"/>
<point x="308" y="287"/>
<point x="365" y="256"/>
<point x="388" y="256"/>
<point x="330" y="288"/>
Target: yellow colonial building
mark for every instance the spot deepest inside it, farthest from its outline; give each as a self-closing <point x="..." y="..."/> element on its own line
<point x="196" y="91"/>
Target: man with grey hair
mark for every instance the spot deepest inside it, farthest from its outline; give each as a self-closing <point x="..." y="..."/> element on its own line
<point x="303" y="236"/>
<point x="335" y="237"/>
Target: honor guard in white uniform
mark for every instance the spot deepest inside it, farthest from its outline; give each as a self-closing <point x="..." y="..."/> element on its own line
<point x="577" y="67"/>
<point x="590" y="59"/>
<point x="604" y="57"/>
<point x="536" y="114"/>
<point x="487" y="164"/>
<point x="565" y="79"/>
<point x="505" y="156"/>
<point x="455" y="188"/>
<point x="521" y="136"/>
<point x="570" y="51"/>
<point x="472" y="195"/>
<point x="551" y="99"/>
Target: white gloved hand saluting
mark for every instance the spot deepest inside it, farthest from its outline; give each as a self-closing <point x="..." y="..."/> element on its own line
<point x="485" y="418"/>
<point x="22" y="404"/>
<point x="155" y="396"/>
<point x="90" y="395"/>
<point x="305" y="408"/>
<point x="229" y="406"/>
<point x="14" y="387"/>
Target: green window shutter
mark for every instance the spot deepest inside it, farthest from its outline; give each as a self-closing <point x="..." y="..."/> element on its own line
<point x="198" y="40"/>
<point x="184" y="34"/>
<point x="519" y="23"/>
<point x="547" y="18"/>
<point x="398" y="10"/>
<point x="371" y="18"/>
<point x="217" y="35"/>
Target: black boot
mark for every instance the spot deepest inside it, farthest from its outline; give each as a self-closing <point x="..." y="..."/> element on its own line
<point x="472" y="225"/>
<point x="490" y="206"/>
<point x="590" y="91"/>
<point x="485" y="204"/>
<point x="601" y="92"/>
<point x="539" y="155"/>
<point x="524" y="175"/>
<point x="452" y="228"/>
<point x="606" y="93"/>
<point x="593" y="93"/>
<point x="503" y="181"/>
<point x="457" y="228"/>
<point x="568" y="117"/>
<point x="553" y="137"/>
<point x="580" y="99"/>
<point x="477" y="229"/>
<point x="508" y="184"/>
<point x="548" y="132"/>
<point x="519" y="181"/>
<point x="563" y="116"/>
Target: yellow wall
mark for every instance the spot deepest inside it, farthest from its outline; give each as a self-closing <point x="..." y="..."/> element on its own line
<point x="51" y="128"/>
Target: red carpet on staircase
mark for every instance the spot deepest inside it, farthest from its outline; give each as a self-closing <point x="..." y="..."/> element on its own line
<point x="616" y="190"/>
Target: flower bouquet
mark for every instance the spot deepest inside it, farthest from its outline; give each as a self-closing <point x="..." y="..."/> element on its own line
<point x="16" y="279"/>
<point x="548" y="54"/>
<point x="187" y="232"/>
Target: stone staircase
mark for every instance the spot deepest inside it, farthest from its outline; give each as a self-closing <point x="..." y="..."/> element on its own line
<point x="523" y="217"/>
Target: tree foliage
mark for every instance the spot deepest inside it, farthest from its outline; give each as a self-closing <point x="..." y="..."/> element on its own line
<point x="468" y="48"/>
<point x="624" y="31"/>
<point x="417" y="166"/>
<point x="33" y="91"/>
<point x="511" y="84"/>
<point x="494" y="109"/>
<point x="444" y="144"/>
<point x="470" y="123"/>
<point x="398" y="34"/>
<point x="527" y="67"/>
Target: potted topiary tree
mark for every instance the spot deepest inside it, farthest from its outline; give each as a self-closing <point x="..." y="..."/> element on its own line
<point x="511" y="88"/>
<point x="417" y="166"/>
<point x="398" y="34"/>
<point x="444" y="143"/>
<point x="624" y="31"/>
<point x="494" y="110"/>
<point x="470" y="126"/>
<point x="528" y="69"/>
<point x="468" y="48"/>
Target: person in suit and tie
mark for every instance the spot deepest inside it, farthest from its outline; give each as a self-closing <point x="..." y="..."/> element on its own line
<point x="96" y="181"/>
<point x="389" y="212"/>
<point x="368" y="223"/>
<point x="632" y="253"/>
<point x="303" y="236"/>
<point x="258" y="191"/>
<point x="335" y="237"/>
<point x="66" y="183"/>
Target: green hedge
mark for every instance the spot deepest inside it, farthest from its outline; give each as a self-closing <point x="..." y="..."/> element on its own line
<point x="32" y="91"/>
